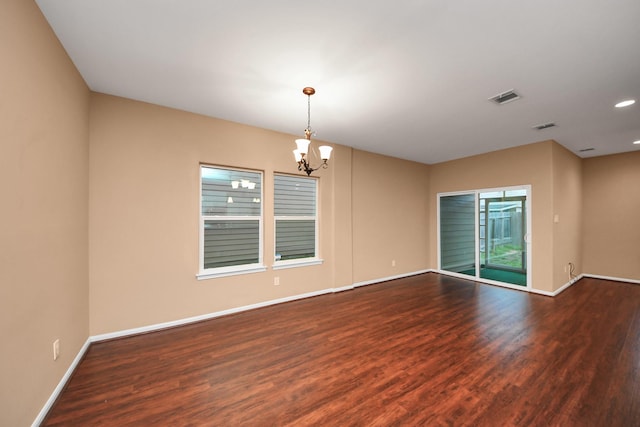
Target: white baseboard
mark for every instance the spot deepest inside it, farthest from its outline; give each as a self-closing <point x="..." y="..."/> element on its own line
<point x="486" y="281"/>
<point x="515" y="287"/>
<point x="386" y="279"/>
<point x="61" y="384"/>
<point x="615" y="279"/>
<point x="188" y="320"/>
<point x="559" y="290"/>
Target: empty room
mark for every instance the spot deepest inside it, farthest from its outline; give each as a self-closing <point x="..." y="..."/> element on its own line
<point x="244" y="213"/>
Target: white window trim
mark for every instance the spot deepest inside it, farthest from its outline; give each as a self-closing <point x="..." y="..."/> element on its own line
<point x="212" y="273"/>
<point x="300" y="262"/>
<point x="230" y="271"/>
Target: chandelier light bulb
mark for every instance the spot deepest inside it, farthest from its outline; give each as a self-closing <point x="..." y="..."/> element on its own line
<point x="325" y="152"/>
<point x="303" y="146"/>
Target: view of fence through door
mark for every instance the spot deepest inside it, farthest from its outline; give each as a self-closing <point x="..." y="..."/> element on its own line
<point x="483" y="234"/>
<point x="502" y="231"/>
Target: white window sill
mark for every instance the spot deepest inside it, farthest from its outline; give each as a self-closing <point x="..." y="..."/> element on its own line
<point x="303" y="262"/>
<point x="230" y="271"/>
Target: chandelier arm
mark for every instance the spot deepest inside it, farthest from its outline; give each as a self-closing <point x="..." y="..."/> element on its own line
<point x="306" y="167"/>
<point x="303" y="165"/>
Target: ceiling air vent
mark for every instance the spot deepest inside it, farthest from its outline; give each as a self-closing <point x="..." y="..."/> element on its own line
<point x="544" y="126"/>
<point x="584" y="150"/>
<point x="504" y="97"/>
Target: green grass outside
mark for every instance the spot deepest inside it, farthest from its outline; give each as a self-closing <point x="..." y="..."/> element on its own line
<point x="506" y="255"/>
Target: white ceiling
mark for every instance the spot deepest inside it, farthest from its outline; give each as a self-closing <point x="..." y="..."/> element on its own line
<point x="408" y="78"/>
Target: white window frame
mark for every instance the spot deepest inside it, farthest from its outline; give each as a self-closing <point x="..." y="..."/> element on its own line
<point x="210" y="273"/>
<point x="299" y="262"/>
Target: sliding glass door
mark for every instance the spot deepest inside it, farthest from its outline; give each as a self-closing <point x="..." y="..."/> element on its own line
<point x="483" y="234"/>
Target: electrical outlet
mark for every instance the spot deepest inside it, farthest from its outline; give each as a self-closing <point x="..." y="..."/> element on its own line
<point x="393" y="263"/>
<point x="276" y="281"/>
<point x="56" y="349"/>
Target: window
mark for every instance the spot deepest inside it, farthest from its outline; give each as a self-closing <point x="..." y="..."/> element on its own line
<point x="230" y="221"/>
<point x="295" y="220"/>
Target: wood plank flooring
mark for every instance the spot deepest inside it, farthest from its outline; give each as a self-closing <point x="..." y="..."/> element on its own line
<point x="426" y="350"/>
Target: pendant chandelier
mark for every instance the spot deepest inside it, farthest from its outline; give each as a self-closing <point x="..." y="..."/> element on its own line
<point x="302" y="152"/>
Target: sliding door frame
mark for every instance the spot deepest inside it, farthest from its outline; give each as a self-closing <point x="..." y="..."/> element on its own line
<point x="527" y="236"/>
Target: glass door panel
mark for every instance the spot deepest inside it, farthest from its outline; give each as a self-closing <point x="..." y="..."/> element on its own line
<point x="458" y="234"/>
<point x="503" y="255"/>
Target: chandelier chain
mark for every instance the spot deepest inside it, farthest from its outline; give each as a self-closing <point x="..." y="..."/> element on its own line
<point x="309" y="112"/>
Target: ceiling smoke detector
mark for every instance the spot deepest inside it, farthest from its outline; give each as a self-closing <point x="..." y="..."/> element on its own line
<point x="544" y="126"/>
<point x="504" y="97"/>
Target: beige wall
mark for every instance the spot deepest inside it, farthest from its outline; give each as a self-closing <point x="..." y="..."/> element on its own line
<point x="44" y="185"/>
<point x="567" y="214"/>
<point x="611" y="207"/>
<point x="526" y="165"/>
<point x="390" y="216"/>
<point x="144" y="207"/>
<point x="144" y="215"/>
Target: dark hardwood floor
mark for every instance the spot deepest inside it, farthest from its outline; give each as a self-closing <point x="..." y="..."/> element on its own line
<point x="427" y="350"/>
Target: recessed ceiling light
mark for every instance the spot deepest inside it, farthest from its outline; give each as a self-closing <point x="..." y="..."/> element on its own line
<point x="625" y="103"/>
<point x="637" y="142"/>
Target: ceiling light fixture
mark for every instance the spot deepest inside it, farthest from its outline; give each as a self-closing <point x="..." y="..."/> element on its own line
<point x="637" y="142"/>
<point x="301" y="152"/>
<point x="626" y="103"/>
